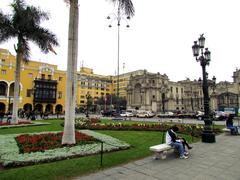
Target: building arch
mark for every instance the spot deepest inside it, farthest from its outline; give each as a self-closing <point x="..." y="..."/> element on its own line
<point x="11" y="89"/>
<point x="49" y="108"/>
<point x="38" y="107"/>
<point x="27" y="107"/>
<point x="2" y="107"/>
<point x="3" y="88"/>
<point x="137" y="94"/>
<point x="58" y="108"/>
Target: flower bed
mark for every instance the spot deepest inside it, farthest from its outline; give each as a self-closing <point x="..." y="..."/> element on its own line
<point x="41" y="142"/>
<point x="19" y="123"/>
<point x="193" y="130"/>
<point x="10" y="156"/>
<point x="22" y="124"/>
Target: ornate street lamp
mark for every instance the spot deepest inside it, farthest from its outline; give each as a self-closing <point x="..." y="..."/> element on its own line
<point x="118" y="18"/>
<point x="204" y="58"/>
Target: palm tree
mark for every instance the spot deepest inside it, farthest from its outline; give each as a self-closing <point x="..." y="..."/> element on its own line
<point x="70" y="100"/>
<point x="24" y="24"/>
<point x="70" y="103"/>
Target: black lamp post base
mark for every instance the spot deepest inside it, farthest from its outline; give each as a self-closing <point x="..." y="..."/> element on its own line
<point x="208" y="136"/>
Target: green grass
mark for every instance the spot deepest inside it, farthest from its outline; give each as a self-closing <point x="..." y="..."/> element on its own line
<point x="54" y="126"/>
<point x="140" y="141"/>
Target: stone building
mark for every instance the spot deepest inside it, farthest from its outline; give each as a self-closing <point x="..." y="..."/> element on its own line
<point x="155" y="92"/>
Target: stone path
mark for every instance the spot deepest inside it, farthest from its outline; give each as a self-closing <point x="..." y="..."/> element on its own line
<point x="207" y="161"/>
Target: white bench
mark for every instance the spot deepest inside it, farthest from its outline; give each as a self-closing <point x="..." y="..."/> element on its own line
<point x="160" y="150"/>
<point x="226" y="130"/>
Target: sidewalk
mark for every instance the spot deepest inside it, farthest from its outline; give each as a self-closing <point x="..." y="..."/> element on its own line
<point x="207" y="161"/>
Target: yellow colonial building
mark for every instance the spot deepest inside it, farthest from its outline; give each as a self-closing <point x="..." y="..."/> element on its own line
<point x="42" y="85"/>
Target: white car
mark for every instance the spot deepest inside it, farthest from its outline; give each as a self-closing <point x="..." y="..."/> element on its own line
<point x="126" y="114"/>
<point x="146" y="114"/>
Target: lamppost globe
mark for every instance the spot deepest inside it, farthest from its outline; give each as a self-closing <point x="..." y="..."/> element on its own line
<point x="201" y="41"/>
<point x="204" y="57"/>
<point x="195" y="49"/>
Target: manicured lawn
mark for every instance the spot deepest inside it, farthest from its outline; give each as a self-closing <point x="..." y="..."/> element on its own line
<point x="140" y="141"/>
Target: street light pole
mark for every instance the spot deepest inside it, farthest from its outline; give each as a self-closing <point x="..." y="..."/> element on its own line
<point x="204" y="58"/>
<point x="118" y="17"/>
<point x="88" y="97"/>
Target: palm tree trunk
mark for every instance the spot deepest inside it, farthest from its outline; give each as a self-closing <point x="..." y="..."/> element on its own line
<point x="16" y="88"/>
<point x="70" y="103"/>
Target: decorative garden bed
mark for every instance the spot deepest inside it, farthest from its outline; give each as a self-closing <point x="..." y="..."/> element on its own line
<point x="10" y="155"/>
<point x="193" y="130"/>
<point x="21" y="124"/>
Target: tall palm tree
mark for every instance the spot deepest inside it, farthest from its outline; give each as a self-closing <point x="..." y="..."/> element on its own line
<point x="70" y="103"/>
<point x="24" y="25"/>
<point x="70" y="100"/>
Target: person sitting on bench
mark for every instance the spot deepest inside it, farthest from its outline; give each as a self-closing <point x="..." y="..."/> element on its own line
<point x="229" y="124"/>
<point x="178" y="143"/>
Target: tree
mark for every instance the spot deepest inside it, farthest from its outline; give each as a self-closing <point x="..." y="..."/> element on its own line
<point x="24" y="25"/>
<point x="70" y="103"/>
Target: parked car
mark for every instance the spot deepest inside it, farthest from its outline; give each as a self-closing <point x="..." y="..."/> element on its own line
<point x="133" y="111"/>
<point x="150" y="114"/>
<point x="145" y="114"/>
<point x="220" y="115"/>
<point x="199" y="115"/>
<point x="166" y="115"/>
<point x="126" y="114"/>
<point x="109" y="113"/>
<point x="141" y="114"/>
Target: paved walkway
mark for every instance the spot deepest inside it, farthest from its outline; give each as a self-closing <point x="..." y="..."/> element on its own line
<point x="207" y="161"/>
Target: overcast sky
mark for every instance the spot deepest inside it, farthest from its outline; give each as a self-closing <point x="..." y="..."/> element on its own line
<point x="159" y="39"/>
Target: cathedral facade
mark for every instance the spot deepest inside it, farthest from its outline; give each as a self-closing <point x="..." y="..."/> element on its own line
<point x="155" y="92"/>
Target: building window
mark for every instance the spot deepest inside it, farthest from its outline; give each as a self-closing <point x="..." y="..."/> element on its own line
<point x="176" y="90"/>
<point x="3" y="60"/>
<point x="59" y="94"/>
<point x="171" y="89"/>
<point x="4" y="71"/>
<point x="29" y="92"/>
<point x="49" y="77"/>
<point x="60" y="78"/>
<point x="82" y="102"/>
<point x="43" y="76"/>
<point x="153" y="96"/>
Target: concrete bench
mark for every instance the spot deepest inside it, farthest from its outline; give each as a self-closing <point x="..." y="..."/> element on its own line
<point x="161" y="150"/>
<point x="226" y="130"/>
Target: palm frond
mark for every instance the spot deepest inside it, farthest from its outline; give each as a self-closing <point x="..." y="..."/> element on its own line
<point x="126" y="6"/>
<point x="43" y="38"/>
<point x="7" y="31"/>
<point x="36" y="14"/>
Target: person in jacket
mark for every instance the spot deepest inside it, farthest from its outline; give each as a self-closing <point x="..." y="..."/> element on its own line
<point x="229" y="124"/>
<point x="178" y="143"/>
